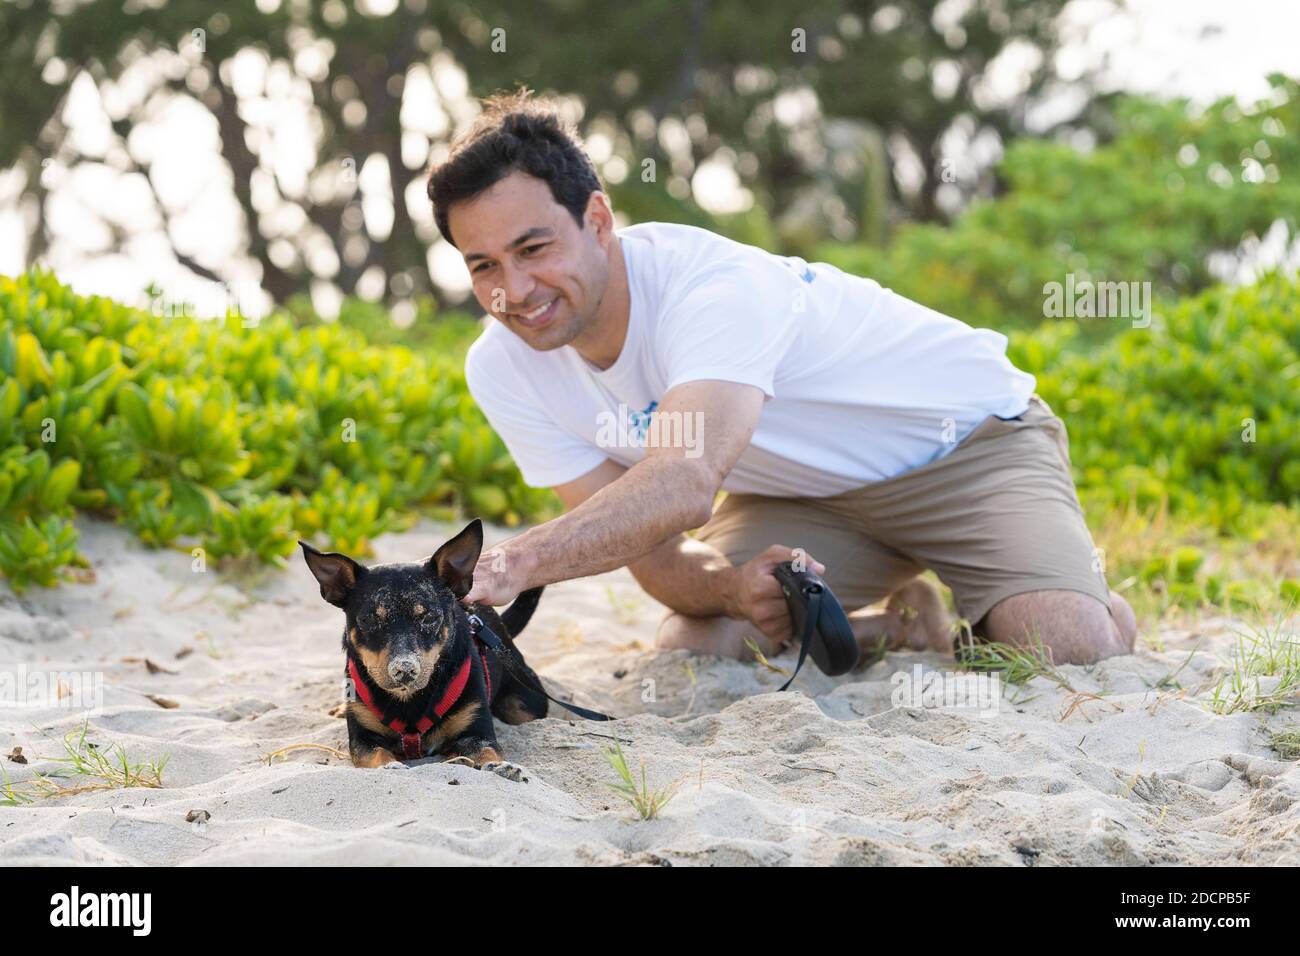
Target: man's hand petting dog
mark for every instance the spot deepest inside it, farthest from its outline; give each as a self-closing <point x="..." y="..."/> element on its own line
<point x="754" y="593"/>
<point x="494" y="583"/>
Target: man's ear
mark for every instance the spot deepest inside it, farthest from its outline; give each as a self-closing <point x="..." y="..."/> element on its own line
<point x="454" y="562"/>
<point x="600" y="216"/>
<point x="337" y="573"/>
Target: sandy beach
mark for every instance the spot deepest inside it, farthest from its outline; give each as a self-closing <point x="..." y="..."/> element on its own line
<point x="214" y="672"/>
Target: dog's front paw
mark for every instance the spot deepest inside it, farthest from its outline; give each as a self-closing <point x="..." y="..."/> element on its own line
<point x="508" y="770"/>
<point x="395" y="765"/>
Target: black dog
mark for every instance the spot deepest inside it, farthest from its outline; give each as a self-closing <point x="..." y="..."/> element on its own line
<point x="423" y="684"/>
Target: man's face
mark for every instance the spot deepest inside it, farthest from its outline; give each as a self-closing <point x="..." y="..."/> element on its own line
<point x="531" y="265"/>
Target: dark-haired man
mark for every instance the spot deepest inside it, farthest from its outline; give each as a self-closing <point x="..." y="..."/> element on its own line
<point x="637" y="371"/>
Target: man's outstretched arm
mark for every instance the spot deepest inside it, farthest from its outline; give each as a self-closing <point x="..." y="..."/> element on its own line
<point x="696" y="579"/>
<point x="689" y="576"/>
<point x="670" y="491"/>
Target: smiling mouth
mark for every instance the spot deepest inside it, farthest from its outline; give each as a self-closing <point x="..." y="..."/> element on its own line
<point x="538" y="316"/>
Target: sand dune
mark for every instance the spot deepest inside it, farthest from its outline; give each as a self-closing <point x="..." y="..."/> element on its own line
<point x="829" y="773"/>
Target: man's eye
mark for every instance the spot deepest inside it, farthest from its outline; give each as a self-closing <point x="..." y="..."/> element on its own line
<point x="529" y="250"/>
<point x="481" y="267"/>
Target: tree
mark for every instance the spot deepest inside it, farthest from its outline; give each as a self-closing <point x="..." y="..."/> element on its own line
<point x="668" y="83"/>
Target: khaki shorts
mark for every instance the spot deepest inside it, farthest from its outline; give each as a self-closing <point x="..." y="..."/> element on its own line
<point x="996" y="517"/>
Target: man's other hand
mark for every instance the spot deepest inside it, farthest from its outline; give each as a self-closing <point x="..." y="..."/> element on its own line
<point x="754" y="593"/>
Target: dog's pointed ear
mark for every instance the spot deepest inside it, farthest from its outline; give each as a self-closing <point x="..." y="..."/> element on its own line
<point x="454" y="562"/>
<point x="337" y="573"/>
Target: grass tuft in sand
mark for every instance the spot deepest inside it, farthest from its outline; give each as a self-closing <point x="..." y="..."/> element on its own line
<point x="645" y="801"/>
<point x="1265" y="665"/>
<point x="93" y="767"/>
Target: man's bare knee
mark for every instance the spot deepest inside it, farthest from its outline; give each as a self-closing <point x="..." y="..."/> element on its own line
<point x="1073" y="627"/>
<point x="719" y="635"/>
<point x="1125" y="619"/>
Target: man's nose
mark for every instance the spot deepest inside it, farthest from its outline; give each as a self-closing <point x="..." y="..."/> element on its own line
<point x="518" y="286"/>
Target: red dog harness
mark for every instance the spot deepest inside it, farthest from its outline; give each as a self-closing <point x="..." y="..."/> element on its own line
<point x="413" y="739"/>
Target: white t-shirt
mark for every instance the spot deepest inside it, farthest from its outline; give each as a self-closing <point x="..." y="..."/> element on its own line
<point x="860" y="384"/>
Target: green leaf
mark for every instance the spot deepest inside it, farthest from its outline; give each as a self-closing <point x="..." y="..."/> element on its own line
<point x="133" y="406"/>
<point x="60" y="483"/>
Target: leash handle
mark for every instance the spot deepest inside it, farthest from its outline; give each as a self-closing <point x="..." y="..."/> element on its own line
<point x="810" y="620"/>
<point x="481" y="631"/>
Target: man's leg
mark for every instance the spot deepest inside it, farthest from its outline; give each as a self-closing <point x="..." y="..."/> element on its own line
<point x="1074" y="628"/>
<point x="860" y="571"/>
<point x="914" y="617"/>
<point x="720" y="636"/>
<point x="999" y="521"/>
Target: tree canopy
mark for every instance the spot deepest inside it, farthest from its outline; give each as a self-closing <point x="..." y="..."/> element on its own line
<point x="832" y="112"/>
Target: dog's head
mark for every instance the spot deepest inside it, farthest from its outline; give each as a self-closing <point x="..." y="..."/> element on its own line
<point x="400" y="617"/>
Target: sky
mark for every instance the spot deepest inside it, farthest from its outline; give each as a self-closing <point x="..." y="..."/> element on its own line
<point x="1202" y="49"/>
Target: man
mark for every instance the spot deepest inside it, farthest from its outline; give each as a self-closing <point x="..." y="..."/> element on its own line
<point x="879" y="437"/>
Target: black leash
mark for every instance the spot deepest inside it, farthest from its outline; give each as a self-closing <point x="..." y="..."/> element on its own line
<point x="809" y="629"/>
<point x="479" y="629"/>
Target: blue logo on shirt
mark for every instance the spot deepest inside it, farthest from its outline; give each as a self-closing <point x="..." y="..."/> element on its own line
<point x="639" y="422"/>
<point x="805" y="273"/>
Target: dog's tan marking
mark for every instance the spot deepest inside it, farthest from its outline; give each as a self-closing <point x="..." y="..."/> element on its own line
<point x="428" y="660"/>
<point x="374" y="758"/>
<point x="381" y="612"/>
<point x="451" y="728"/>
<point x="511" y="710"/>
<point x="456" y="724"/>
<point x="371" y="660"/>
<point x="486" y="755"/>
<point x="376" y="662"/>
<point x="368" y="720"/>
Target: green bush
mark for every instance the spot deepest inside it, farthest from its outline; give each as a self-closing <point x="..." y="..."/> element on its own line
<point x="239" y="440"/>
<point x="207" y="433"/>
<point x="1174" y="185"/>
<point x="1199" y="411"/>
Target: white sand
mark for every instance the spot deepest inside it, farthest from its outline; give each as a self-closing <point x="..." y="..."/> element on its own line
<point x="829" y="773"/>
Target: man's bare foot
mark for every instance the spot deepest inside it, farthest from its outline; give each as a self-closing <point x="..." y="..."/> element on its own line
<point x="926" y="623"/>
<point x="717" y="635"/>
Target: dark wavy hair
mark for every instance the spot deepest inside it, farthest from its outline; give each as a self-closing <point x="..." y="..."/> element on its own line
<point x="515" y="131"/>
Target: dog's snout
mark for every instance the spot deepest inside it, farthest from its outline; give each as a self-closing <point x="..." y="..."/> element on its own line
<point x="405" y="669"/>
